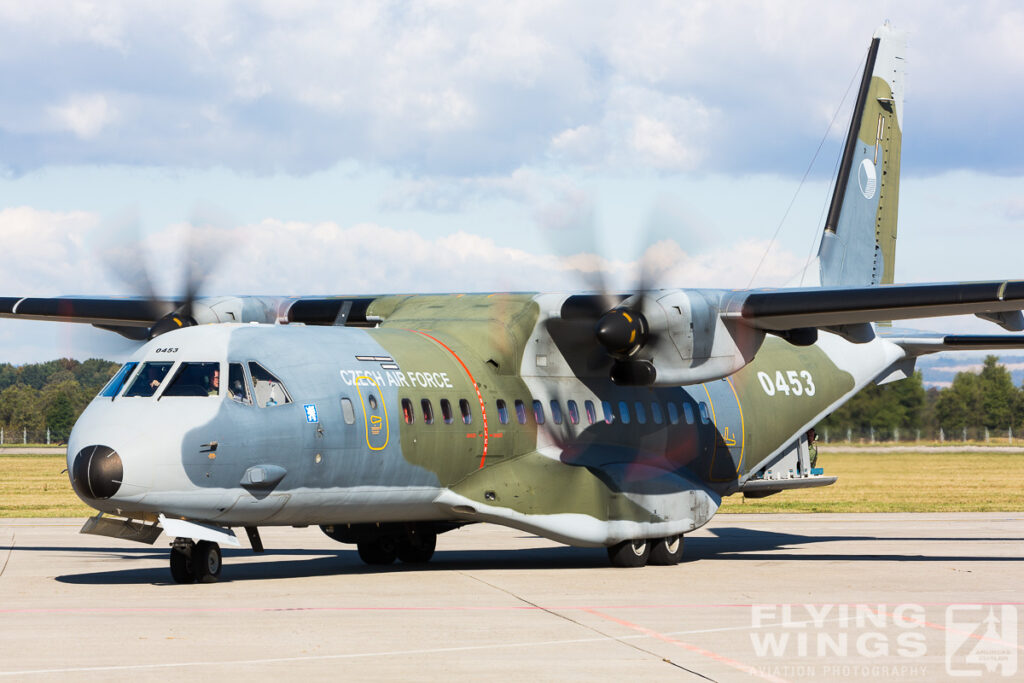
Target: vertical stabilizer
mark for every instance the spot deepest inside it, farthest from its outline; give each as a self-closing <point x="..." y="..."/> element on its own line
<point x="859" y="244"/>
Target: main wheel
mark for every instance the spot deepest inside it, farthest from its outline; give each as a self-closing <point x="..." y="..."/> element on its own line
<point x="206" y="562"/>
<point x="666" y="551"/>
<point x="632" y="553"/>
<point x="181" y="567"/>
<point x="417" y="548"/>
<point x="378" y="551"/>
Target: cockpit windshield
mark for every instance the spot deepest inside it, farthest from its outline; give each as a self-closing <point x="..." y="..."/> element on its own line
<point x="267" y="388"/>
<point x="116" y="382"/>
<point x="195" y="379"/>
<point x="149" y="379"/>
<point x="238" y="388"/>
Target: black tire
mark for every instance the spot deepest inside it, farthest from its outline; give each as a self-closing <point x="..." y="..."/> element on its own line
<point x="206" y="562"/>
<point x="417" y="548"/>
<point x="181" y="567"/>
<point x="381" y="551"/>
<point x="633" y="553"/>
<point x="666" y="551"/>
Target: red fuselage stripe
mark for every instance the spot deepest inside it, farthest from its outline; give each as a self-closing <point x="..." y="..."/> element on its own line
<point x="476" y="388"/>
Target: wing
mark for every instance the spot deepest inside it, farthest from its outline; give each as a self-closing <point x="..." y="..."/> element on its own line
<point x="142" y="318"/>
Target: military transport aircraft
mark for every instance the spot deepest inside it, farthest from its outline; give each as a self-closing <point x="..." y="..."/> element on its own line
<point x="589" y="418"/>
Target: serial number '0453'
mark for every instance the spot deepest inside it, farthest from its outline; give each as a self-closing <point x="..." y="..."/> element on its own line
<point x="792" y="382"/>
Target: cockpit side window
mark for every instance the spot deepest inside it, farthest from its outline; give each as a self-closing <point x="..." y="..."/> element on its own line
<point x="118" y="381"/>
<point x="148" y="379"/>
<point x="238" y="388"/>
<point x="195" y="379"/>
<point x="267" y="389"/>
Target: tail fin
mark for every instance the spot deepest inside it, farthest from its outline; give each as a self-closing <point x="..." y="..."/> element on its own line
<point x="859" y="244"/>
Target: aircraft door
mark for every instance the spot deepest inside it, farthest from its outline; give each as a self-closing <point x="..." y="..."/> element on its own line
<point x="375" y="413"/>
<point x="727" y="420"/>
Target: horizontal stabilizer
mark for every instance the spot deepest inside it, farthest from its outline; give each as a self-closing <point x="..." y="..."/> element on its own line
<point x="925" y="343"/>
<point x="790" y="309"/>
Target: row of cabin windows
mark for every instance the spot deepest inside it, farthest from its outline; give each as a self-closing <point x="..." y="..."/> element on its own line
<point x="622" y="411"/>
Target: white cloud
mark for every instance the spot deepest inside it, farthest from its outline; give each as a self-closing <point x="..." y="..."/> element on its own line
<point x="457" y="89"/>
<point x="84" y="115"/>
<point x="52" y="253"/>
<point x="45" y="252"/>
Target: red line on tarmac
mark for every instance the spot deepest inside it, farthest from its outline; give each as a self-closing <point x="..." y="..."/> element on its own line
<point x="476" y="388"/>
<point x="745" y="668"/>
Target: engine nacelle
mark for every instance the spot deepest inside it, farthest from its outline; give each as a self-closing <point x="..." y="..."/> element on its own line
<point x="689" y="341"/>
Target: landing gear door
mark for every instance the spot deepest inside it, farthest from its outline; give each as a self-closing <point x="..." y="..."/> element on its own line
<point x="375" y="413"/>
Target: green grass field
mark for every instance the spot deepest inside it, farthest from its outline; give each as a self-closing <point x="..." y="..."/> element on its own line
<point x="904" y="482"/>
<point x="34" y="486"/>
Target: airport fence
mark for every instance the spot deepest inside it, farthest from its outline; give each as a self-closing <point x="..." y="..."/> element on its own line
<point x="18" y="436"/>
<point x="940" y="435"/>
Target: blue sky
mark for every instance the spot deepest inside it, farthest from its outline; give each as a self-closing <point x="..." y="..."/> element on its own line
<point x="375" y="147"/>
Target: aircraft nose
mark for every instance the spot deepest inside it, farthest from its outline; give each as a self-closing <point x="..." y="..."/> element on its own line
<point x="97" y="472"/>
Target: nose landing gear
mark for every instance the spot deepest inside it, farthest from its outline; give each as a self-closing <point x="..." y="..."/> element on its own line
<point x="193" y="562"/>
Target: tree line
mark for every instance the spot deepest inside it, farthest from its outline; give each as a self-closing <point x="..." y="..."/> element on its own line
<point x="48" y="395"/>
<point x="975" y="402"/>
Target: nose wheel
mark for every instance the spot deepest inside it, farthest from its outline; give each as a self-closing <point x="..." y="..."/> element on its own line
<point x="193" y="562"/>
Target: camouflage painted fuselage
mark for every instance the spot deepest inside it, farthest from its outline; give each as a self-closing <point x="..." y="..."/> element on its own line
<point x="619" y="463"/>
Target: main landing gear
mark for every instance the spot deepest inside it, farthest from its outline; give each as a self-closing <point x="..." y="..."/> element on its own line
<point x="193" y="562"/>
<point x="642" y="551"/>
<point x="382" y="544"/>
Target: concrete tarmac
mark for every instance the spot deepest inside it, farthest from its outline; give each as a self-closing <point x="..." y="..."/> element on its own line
<point x="901" y="597"/>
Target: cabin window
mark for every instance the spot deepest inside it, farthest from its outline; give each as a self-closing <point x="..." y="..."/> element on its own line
<point x="574" y="412"/>
<point x="467" y="416"/>
<point x="502" y="412"/>
<point x="641" y="414"/>
<point x="704" y="417"/>
<point x="148" y="380"/>
<point x="591" y="413"/>
<point x="372" y="400"/>
<point x="428" y="411"/>
<point x="606" y="408"/>
<point x="406" y="411"/>
<point x="673" y="413"/>
<point x="195" y="379"/>
<point x="267" y="389"/>
<point x="624" y="412"/>
<point x="238" y="388"/>
<point x="688" y="413"/>
<point x="520" y="412"/>
<point x="538" y="412"/>
<point x="117" y="382"/>
<point x="656" y="414"/>
<point x="349" y="413"/>
<point x="446" y="411"/>
<point x="556" y="412"/>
